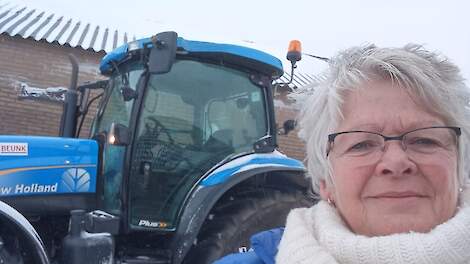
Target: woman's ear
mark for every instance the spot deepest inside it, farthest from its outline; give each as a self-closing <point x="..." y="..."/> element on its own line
<point x="325" y="192"/>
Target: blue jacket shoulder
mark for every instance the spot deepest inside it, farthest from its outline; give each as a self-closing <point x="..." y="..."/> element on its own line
<point x="263" y="250"/>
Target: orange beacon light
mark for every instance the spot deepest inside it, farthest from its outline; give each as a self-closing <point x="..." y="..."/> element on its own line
<point x="294" y="53"/>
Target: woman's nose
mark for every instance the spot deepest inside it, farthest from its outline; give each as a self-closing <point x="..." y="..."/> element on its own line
<point x="395" y="161"/>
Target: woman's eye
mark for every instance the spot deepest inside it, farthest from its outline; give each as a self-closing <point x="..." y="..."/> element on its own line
<point x="363" y="146"/>
<point x="428" y="142"/>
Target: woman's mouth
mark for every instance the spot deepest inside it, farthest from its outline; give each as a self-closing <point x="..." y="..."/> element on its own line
<point x="398" y="195"/>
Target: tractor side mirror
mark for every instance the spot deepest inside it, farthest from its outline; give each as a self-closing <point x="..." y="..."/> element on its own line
<point x="163" y="52"/>
<point x="288" y="126"/>
<point x="119" y="135"/>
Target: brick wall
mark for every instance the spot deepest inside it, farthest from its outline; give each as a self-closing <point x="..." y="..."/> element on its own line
<point x="41" y="64"/>
<point x="289" y="144"/>
<point x="38" y="64"/>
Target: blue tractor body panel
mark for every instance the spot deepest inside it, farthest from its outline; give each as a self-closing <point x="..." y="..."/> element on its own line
<point x="31" y="165"/>
<point x="199" y="47"/>
<point x="251" y="162"/>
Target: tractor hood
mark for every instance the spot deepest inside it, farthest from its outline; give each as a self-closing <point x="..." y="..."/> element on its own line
<point x="50" y="167"/>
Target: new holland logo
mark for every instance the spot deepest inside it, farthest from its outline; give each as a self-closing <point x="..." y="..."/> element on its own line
<point x="13" y="149"/>
<point x="75" y="180"/>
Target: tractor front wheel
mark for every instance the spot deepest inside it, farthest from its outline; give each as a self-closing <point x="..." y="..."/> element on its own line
<point x="10" y="251"/>
<point x="238" y="216"/>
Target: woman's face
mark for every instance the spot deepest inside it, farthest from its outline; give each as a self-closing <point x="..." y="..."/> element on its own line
<point x="396" y="192"/>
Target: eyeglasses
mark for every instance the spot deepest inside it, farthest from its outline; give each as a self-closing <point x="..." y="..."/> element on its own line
<point x="417" y="143"/>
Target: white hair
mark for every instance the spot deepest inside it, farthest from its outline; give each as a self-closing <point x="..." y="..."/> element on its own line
<point x="428" y="77"/>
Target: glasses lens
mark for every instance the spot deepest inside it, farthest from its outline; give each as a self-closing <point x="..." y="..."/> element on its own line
<point x="357" y="143"/>
<point x="430" y="140"/>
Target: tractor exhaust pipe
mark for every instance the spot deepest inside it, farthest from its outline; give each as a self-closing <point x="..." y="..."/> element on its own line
<point x="68" y="120"/>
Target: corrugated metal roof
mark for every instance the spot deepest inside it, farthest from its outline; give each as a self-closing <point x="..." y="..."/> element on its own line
<point x="26" y="22"/>
<point x="300" y="80"/>
<point x="42" y="25"/>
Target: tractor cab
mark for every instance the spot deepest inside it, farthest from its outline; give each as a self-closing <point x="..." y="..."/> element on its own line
<point x="178" y="124"/>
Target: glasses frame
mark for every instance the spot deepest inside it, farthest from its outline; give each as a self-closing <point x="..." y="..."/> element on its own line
<point x="331" y="137"/>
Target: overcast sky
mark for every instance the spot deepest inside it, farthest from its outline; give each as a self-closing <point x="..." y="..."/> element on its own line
<point x="324" y="27"/>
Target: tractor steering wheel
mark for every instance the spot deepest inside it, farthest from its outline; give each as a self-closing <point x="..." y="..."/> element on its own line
<point x="156" y="125"/>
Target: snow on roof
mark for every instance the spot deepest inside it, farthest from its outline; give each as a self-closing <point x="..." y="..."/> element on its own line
<point x="26" y="22"/>
<point x="300" y="80"/>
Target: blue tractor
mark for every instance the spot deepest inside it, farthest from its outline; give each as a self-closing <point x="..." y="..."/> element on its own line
<point x="181" y="165"/>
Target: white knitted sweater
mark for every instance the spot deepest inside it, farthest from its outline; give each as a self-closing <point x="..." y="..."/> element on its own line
<point x="318" y="235"/>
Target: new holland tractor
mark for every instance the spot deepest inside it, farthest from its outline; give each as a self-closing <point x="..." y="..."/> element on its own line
<point x="181" y="165"/>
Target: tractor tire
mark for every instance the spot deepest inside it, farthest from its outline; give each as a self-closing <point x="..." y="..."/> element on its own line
<point x="237" y="217"/>
<point x="10" y="254"/>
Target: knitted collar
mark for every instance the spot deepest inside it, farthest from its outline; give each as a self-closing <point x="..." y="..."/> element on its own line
<point x="318" y="235"/>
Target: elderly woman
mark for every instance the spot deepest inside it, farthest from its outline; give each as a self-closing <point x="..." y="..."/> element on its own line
<point x="387" y="149"/>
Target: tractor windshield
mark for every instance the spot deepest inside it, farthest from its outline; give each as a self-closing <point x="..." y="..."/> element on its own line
<point x="192" y="118"/>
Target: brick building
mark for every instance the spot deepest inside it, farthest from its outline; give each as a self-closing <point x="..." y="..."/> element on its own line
<point x="37" y="64"/>
<point x="33" y="52"/>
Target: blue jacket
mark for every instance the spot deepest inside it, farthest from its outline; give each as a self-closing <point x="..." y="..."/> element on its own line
<point x="263" y="249"/>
